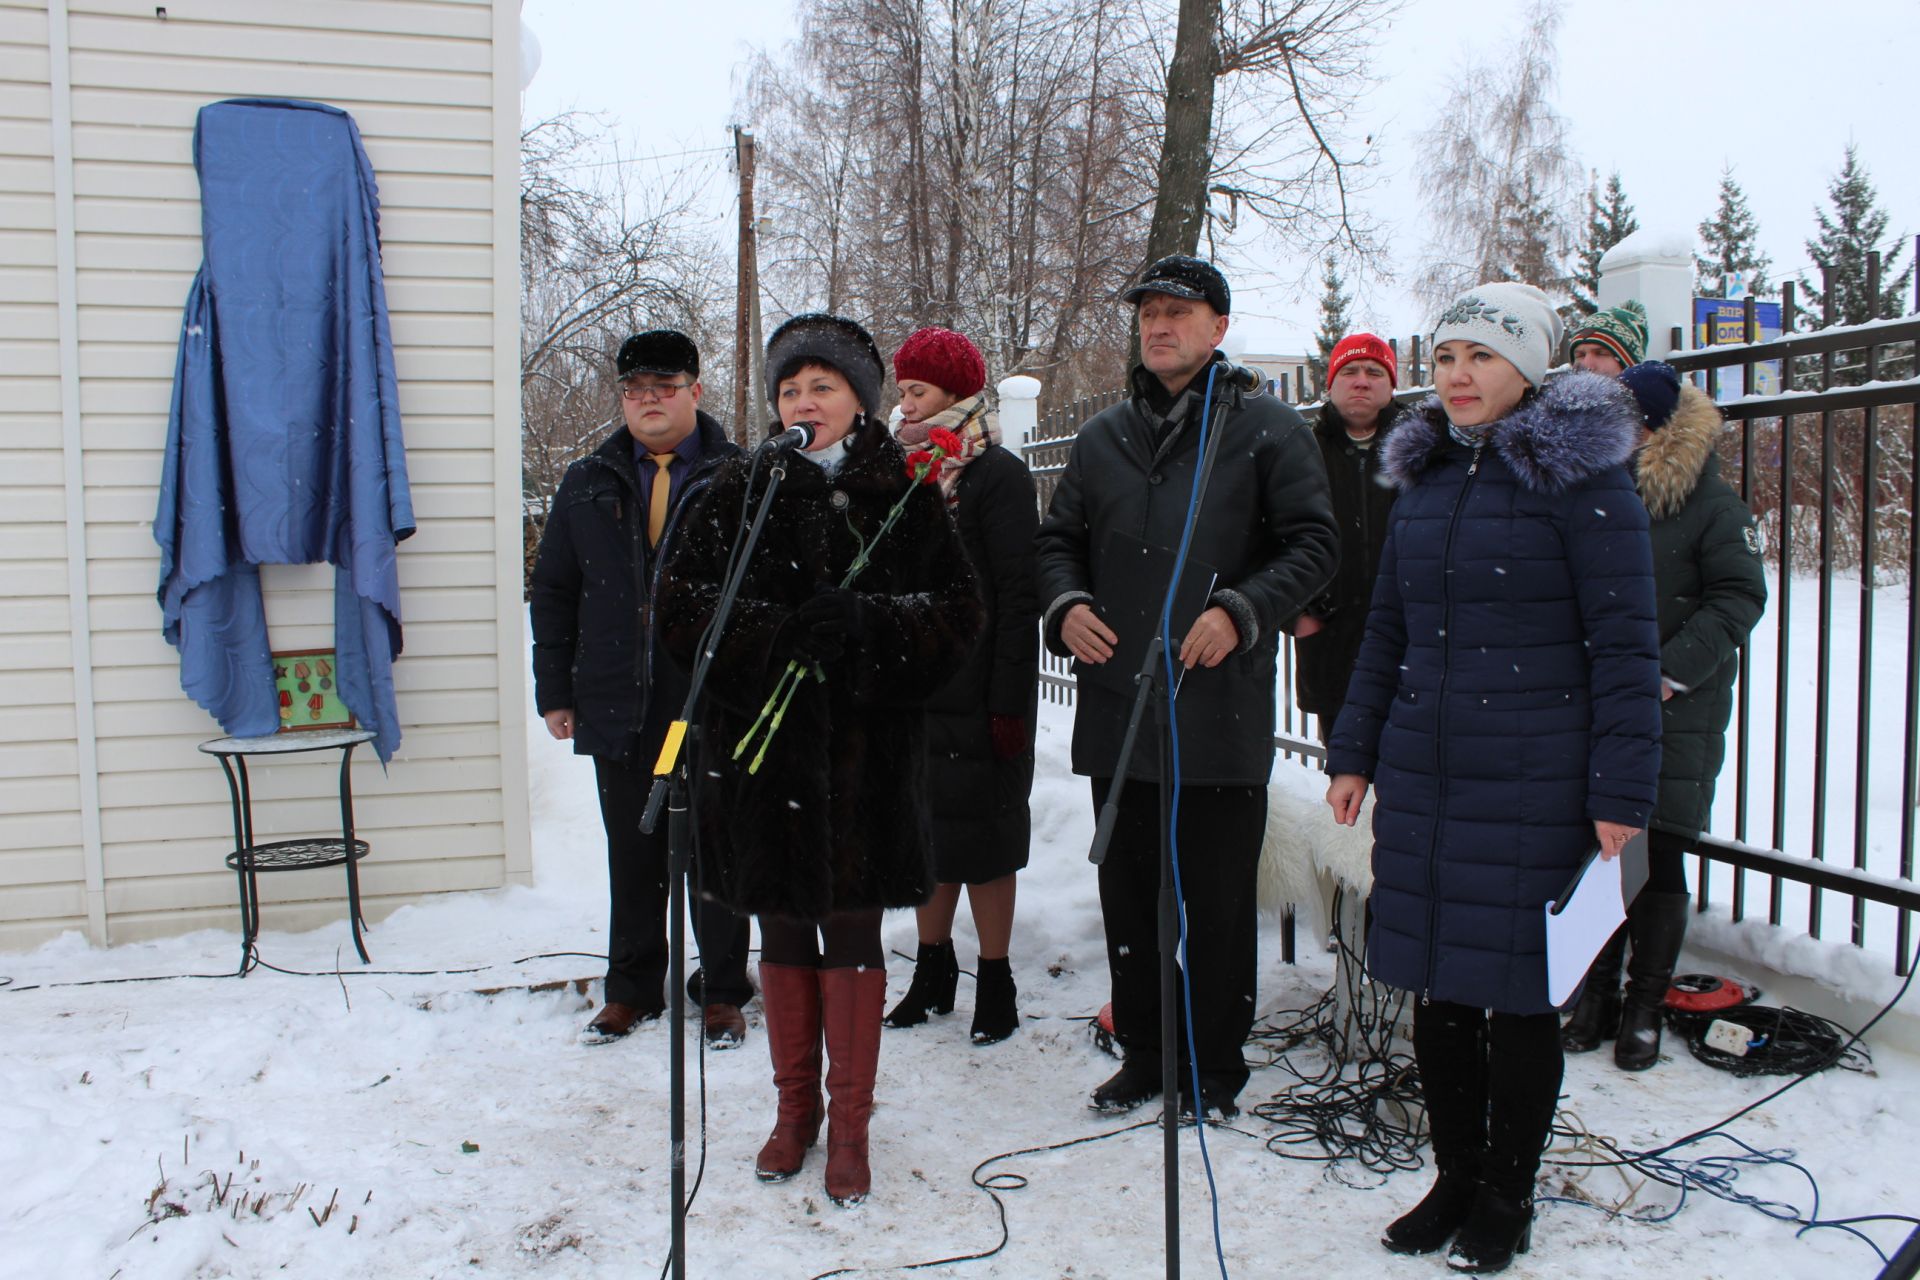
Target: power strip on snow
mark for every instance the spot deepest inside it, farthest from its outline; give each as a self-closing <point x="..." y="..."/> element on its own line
<point x="1730" y="1038"/>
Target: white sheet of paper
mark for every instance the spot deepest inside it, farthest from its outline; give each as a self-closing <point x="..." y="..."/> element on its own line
<point x="1576" y="935"/>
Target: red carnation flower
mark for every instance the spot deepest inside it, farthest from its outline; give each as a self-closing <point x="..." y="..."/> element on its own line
<point x="945" y="441"/>
<point x="919" y="459"/>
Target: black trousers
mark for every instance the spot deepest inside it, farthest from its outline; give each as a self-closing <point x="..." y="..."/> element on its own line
<point x="1220" y="831"/>
<point x="637" y="885"/>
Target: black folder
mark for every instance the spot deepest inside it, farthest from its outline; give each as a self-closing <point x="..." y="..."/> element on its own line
<point x="1633" y="872"/>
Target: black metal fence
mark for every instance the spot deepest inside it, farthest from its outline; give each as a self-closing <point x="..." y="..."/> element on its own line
<point x="1830" y="467"/>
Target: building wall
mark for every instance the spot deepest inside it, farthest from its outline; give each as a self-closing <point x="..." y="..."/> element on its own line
<point x="110" y="820"/>
<point x="1299" y="382"/>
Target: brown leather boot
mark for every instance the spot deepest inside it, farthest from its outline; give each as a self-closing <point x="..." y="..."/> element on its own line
<point x="851" y="1002"/>
<point x="790" y="995"/>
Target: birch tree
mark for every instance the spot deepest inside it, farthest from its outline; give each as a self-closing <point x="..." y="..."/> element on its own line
<point x="1497" y="173"/>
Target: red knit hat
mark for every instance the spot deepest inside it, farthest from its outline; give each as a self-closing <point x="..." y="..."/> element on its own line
<point x="944" y="358"/>
<point x="1363" y="346"/>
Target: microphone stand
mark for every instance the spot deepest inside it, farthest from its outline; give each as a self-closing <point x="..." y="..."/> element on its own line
<point x="670" y="787"/>
<point x="1146" y="684"/>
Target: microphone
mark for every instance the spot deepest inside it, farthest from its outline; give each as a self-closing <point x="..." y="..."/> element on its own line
<point x="797" y="436"/>
<point x="1251" y="381"/>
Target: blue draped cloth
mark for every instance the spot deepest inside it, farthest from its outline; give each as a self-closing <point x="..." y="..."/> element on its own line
<point x="283" y="444"/>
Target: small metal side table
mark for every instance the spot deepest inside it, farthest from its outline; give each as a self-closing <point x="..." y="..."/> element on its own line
<point x="249" y="860"/>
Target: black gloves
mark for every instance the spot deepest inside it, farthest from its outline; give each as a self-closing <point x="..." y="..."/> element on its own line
<point x="823" y="628"/>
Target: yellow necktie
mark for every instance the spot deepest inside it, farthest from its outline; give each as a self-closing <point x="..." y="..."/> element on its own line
<point x="662" y="492"/>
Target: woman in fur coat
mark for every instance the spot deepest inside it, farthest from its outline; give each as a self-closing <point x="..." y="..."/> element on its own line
<point x="830" y="827"/>
<point x="1712" y="589"/>
<point x="1506" y="705"/>
<point x="980" y="724"/>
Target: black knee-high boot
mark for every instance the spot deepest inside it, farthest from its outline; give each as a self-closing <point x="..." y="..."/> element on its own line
<point x="1449" y="1045"/>
<point x="1524" y="1068"/>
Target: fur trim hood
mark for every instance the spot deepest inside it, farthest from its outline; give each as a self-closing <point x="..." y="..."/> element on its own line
<point x="1578" y="425"/>
<point x="1678" y="454"/>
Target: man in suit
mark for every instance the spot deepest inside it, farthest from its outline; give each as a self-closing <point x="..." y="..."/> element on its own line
<point x="601" y="681"/>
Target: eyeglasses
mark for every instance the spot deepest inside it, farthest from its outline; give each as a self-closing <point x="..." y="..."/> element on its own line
<point x="634" y="390"/>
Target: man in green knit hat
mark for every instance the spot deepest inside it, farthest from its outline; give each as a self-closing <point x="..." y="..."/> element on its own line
<point x="1609" y="342"/>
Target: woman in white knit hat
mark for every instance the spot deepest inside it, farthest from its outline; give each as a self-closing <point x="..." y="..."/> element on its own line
<point x="1506" y="704"/>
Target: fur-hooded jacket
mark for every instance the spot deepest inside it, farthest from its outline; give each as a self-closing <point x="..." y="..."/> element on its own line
<point x="1507" y="692"/>
<point x="836" y="816"/>
<point x="1712" y="586"/>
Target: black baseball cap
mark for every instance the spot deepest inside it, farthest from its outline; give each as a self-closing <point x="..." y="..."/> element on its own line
<point x="658" y="351"/>
<point x="1179" y="276"/>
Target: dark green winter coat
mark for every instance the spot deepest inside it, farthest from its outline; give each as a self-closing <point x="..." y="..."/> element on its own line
<point x="1708" y="572"/>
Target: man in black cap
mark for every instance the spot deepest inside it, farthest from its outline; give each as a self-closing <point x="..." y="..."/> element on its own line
<point x="601" y="681"/>
<point x="1264" y="545"/>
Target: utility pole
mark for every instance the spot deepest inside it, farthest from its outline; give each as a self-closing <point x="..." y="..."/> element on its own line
<point x="757" y="348"/>
<point x="746" y="329"/>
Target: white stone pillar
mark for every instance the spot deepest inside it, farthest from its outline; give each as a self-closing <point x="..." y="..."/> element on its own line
<point x="1655" y="267"/>
<point x="1019" y="410"/>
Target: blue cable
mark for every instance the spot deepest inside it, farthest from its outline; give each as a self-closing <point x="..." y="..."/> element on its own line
<point x="1173" y="818"/>
<point x="1717" y="1175"/>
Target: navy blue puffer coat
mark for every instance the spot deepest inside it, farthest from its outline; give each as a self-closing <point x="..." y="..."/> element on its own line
<point x="1507" y="694"/>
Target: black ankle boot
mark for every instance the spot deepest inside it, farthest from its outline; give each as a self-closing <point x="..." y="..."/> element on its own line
<point x="1596" y="1015"/>
<point x="1495" y="1230"/>
<point x="935" y="975"/>
<point x="1137" y="1081"/>
<point x="1657" y="925"/>
<point x="1431" y="1223"/>
<point x="995" y="1014"/>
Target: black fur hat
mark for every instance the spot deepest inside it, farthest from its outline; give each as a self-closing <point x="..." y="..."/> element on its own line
<point x="658" y="351"/>
<point x="834" y="341"/>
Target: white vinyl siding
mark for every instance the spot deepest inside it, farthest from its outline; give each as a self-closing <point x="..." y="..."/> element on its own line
<point x="42" y="854"/>
<point x="424" y="82"/>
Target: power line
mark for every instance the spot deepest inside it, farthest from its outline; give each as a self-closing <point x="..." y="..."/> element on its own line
<point x="652" y="159"/>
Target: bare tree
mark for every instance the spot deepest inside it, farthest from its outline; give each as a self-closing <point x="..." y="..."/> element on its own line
<point x="996" y="165"/>
<point x="601" y="257"/>
<point x="1498" y="173"/>
<point x="1186" y="151"/>
<point x="1271" y="140"/>
<point x="957" y="162"/>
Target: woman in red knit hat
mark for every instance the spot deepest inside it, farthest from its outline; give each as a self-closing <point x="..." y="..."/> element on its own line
<point x="980" y="724"/>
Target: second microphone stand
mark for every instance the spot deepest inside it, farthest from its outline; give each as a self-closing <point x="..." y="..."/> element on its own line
<point x="1150" y="692"/>
<point x="670" y="787"/>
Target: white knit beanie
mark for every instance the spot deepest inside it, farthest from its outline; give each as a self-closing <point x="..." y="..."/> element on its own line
<point x="1516" y="320"/>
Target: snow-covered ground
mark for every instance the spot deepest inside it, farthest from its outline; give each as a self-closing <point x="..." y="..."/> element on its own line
<point x="205" y="1127"/>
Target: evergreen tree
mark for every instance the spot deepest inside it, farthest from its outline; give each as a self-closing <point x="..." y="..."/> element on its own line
<point x="1858" y="224"/>
<point x="1534" y="244"/>
<point x="1335" y="322"/>
<point x="1731" y="237"/>
<point x="1609" y="221"/>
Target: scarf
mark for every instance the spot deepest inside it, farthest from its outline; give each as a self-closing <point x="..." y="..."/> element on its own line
<point x="1470" y="437"/>
<point x="971" y="421"/>
<point x="831" y="458"/>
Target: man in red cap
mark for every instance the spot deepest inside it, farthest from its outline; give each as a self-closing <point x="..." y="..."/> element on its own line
<point x="1358" y="412"/>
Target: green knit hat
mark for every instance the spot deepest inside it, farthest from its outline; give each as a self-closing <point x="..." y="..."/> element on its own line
<point x="1621" y="330"/>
